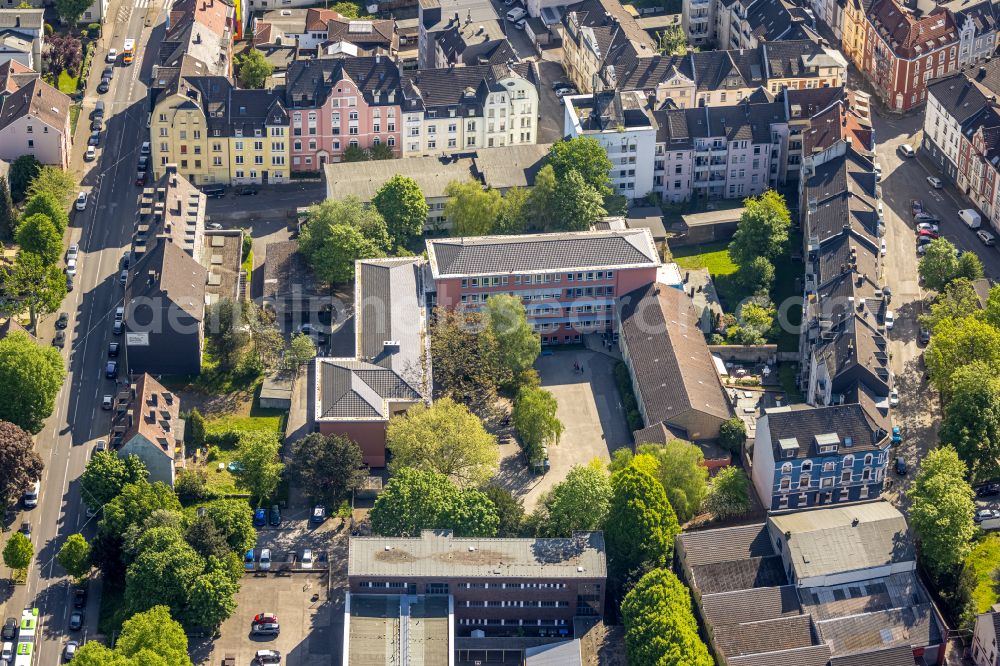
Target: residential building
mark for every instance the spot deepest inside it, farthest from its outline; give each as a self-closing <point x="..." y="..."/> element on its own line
<point x="567" y="281"/>
<point x="342" y="102"/>
<point x="34" y="120"/>
<point x="398" y="629"/>
<point x="165" y="312"/>
<point x="745" y="24"/>
<point x="290" y="291"/>
<point x="466" y="108"/>
<point x="951" y="102"/>
<point x="596" y="33"/>
<point x="95" y="13"/>
<point x="391" y="368"/>
<point x="500" y="586"/>
<point x="497" y="168"/>
<point x="626" y="130"/>
<point x="676" y="385"/>
<point x="976" y="24"/>
<point x="147" y="424"/>
<point x="172" y="210"/>
<point x="16" y="47"/>
<point x="14" y="75"/>
<point x="904" y="49"/>
<point x="456" y="23"/>
<point x="199" y="29"/>
<point x="27" y="25"/>
<point x="820" y="455"/>
<point x="854" y="39"/>
<point x="373" y="36"/>
<point x="215" y="132"/>
<point x="304" y="28"/>
<point x="984" y="637"/>
<point x="823" y="586"/>
<point x="831" y="14"/>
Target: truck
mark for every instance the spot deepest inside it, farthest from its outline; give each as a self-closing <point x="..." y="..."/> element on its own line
<point x="970" y="217"/>
<point x="24" y="655"/>
<point x="128" y="51"/>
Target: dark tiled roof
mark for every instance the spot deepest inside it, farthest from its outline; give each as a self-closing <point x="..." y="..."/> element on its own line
<point x="753" y="605"/>
<point x="286" y="272"/>
<point x="739" y="574"/>
<point x="725" y="544"/>
<point x="980" y="12"/>
<point x="817" y="655"/>
<point x="908" y="626"/>
<point x="960" y="97"/>
<point x="716" y="70"/>
<point x="784" y="633"/>
<point x="771" y="20"/>
<point x="351" y="389"/>
<point x="857" y="346"/>
<point x="541" y="252"/>
<point x="804" y="426"/>
<point x="363" y="33"/>
<point x="807" y="102"/>
<point x="673" y="369"/>
<point x="167" y="275"/>
<point x="672" y="129"/>
<point x="647" y="73"/>
<point x="38" y="99"/>
<point x="451" y="87"/>
<point x="895" y="656"/>
<point x="909" y="36"/>
<point x="309" y="82"/>
<point x="787" y="59"/>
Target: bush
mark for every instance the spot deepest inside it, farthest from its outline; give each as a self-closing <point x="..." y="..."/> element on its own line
<point x="94" y="29"/>
<point x="192" y="487"/>
<point x="227" y="438"/>
<point x="49" y="30"/>
<point x="634" y="420"/>
<point x="213" y="453"/>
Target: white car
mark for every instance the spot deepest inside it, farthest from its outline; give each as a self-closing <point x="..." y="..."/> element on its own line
<point x="7" y="652"/>
<point x="71" y="267"/>
<point x="81" y="201"/>
<point x="881" y="210"/>
<point x="935" y="182"/>
<point x="90" y="155"/>
<point x="307" y="559"/>
<point x="889" y="319"/>
<point x="112" y="55"/>
<point x="907" y="150"/>
<point x="878" y="172"/>
<point x="928" y="226"/>
<point x="987" y="238"/>
<point x="145" y="148"/>
<point x="882" y="249"/>
<point x="73" y="252"/>
<point x="893" y="398"/>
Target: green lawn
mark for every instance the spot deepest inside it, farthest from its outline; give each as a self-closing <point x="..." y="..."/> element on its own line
<point x="248" y="264"/>
<point x="68" y="84"/>
<point x="788" y="275"/>
<point x="786" y="375"/>
<point x="984" y="560"/>
<point x="266" y="420"/>
<point x="714" y="257"/>
<point x="74" y="115"/>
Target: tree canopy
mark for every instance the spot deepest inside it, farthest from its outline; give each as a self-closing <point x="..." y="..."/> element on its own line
<point x="22" y="171"/>
<point x="38" y="234"/>
<point x="33" y="285"/>
<point x="678" y="466"/>
<point x="49" y="204"/>
<point x="518" y="344"/>
<point x="105" y="476"/>
<point x="536" y="421"/>
<point x="416" y="500"/>
<point x="941" y="264"/>
<point x="957" y="300"/>
<point x="445" y="438"/>
<point x="151" y="638"/>
<point x="579" y="502"/>
<point x="18" y="552"/>
<point x="471" y="210"/>
<point x="74" y="556"/>
<point x="728" y="493"/>
<point x="971" y="422"/>
<point x="941" y="510"/>
<point x="467" y="361"/>
<point x="402" y="205"/>
<point x="254" y="69"/>
<point x="328" y="467"/>
<point x="579" y="203"/>
<point x="8" y="216"/>
<point x="20" y="462"/>
<point x="510" y="510"/>
<point x="541" y="208"/>
<point x="660" y="627"/>
<point x="135" y="503"/>
<point x="337" y="233"/>
<point x="30" y="378"/>
<point x="587" y="157"/>
<point x="673" y="41"/>
<point x="958" y="342"/>
<point x="70" y="11"/>
<point x="52" y="180"/>
<point x="259" y="470"/>
<point x="762" y="230"/>
<point x="733" y="434"/>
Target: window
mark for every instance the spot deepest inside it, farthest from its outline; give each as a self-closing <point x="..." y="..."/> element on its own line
<point x="807" y="466"/>
<point x="786" y="468"/>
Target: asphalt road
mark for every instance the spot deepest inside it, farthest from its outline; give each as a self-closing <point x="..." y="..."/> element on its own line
<point x="103" y="231"/>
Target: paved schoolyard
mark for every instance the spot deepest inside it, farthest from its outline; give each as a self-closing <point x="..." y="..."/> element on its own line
<point x="591" y="413"/>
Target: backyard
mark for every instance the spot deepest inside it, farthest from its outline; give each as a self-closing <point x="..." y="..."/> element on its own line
<point x="984" y="560"/>
<point x="221" y="458"/>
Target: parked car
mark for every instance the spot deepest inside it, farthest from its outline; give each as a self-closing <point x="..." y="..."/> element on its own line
<point x="928" y="233"/>
<point x="267" y="657"/>
<point x="924" y="216"/>
<point x="90" y="155"/>
<point x="117" y="328"/>
<point x="9" y="631"/>
<point x="81" y="201"/>
<point x="76" y="621"/>
<point x="30" y="498"/>
<point x="916" y="207"/>
<point x="140" y="178"/>
<point x="104" y="86"/>
<point x="928" y="226"/>
<point x="7" y="653"/>
<point x="265" y="559"/>
<point x="988" y="239"/>
<point x="307" y="558"/>
<point x="107" y="402"/>
<point x="69" y="650"/>
<point x="248" y="190"/>
<point x="95" y="138"/>
<point x="59" y="339"/>
<point x="112" y="349"/>
<point x="102" y="445"/>
<point x="214" y="191"/>
<point x="883" y="249"/>
<point x="901" y="465"/>
<point x="275" y="518"/>
<point x="907" y="150"/>
<point x="111" y="370"/>
<point x="889" y="320"/>
<point x="265" y="618"/>
<point x="69" y="283"/>
<point x="260" y="517"/>
<point x="988" y="490"/>
<point x="265" y="629"/>
<point x="97" y="124"/>
<point x="935" y="182"/>
<point x="112" y="55"/>
<point x="73" y="252"/>
<point x="71" y="267"/>
<point x="318" y="514"/>
<point x="98" y="111"/>
<point x="63" y="320"/>
<point x="983" y="514"/>
<point x="108" y="73"/>
<point x="144" y="149"/>
<point x="924" y="336"/>
<point x="893" y="398"/>
<point x="248" y="561"/>
<point x="79" y="597"/>
<point x="123" y="278"/>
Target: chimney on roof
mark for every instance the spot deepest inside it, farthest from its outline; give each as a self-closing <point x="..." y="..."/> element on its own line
<point x="982" y="74"/>
<point x="855" y="522"/>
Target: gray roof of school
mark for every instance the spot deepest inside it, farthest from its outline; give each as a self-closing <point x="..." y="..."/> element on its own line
<point x="455" y="257"/>
<point x="437" y="554"/>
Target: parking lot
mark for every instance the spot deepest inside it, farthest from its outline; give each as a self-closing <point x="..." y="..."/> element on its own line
<point x="591" y="413"/>
<point x="311" y="628"/>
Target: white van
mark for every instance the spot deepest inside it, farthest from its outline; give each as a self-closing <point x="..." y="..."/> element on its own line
<point x="970" y="217"/>
<point x="30" y="498"/>
<point x="516" y="14"/>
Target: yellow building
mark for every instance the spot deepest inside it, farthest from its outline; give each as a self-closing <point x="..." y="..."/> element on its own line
<point x="215" y="132"/>
<point x="855" y="31"/>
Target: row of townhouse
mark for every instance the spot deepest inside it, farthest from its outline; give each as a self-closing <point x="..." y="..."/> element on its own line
<point x="745" y="24"/>
<point x="730" y="151"/>
<point x="961" y="133"/>
<point x="218" y="133"/>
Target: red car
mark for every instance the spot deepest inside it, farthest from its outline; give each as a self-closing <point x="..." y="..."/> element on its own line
<point x="265" y="618"/>
<point x="927" y="233"/>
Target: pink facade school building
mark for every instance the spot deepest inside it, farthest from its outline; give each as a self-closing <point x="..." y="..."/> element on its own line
<point x="567" y="281"/>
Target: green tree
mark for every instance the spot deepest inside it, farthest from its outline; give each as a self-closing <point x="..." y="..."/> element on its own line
<point x="757" y="275"/>
<point x="50" y="205"/>
<point x="957" y="300"/>
<point x="56" y="182"/>
<point x="163" y="575"/>
<point x="541" y="209"/>
<point x="265" y="338"/>
<point x="580" y="205"/>
<point x="402" y="205"/>
<point x="259" y="471"/>
<point x="152" y="638"/>
<point x="134" y="505"/>
<point x="74" y="557"/>
<point x="212" y="596"/>
<point x="728" y="493"/>
<point x="586" y="156"/>
<point x="8" y="216"/>
<point x="416" y="500"/>
<point x="939" y="265"/>
<point x="22" y="171"/>
<point x="254" y="69"/>
<point x="682" y="472"/>
<point x="641" y="526"/>
<point x="466" y="360"/>
<point x="660" y="627"/>
<point x="381" y="151"/>
<point x="536" y="421"/>
<point x="471" y="210"/>
<point x="328" y="468"/>
<point x="757" y="317"/>
<point x="355" y="154"/>
<point x="339" y="232"/>
<point x="673" y="41"/>
<point x="18" y="552"/>
<point x="234" y="520"/>
<point x="301" y="350"/>
<point x="733" y="434"/>
<point x="969" y="266"/>
<point x="206" y="538"/>
<point x="31" y="284"/>
<point x="991" y="313"/>
<point x="971" y="420"/>
<point x="958" y="342"/>
<point x="38" y="235"/>
<point x="762" y="230"/>
<point x="70" y="11"/>
<point x="30" y="377"/>
<point x="194" y="430"/>
<point x="579" y="502"/>
<point x="445" y="438"/>
<point x="22" y="466"/>
<point x="509" y="508"/>
<point x="334" y="261"/>
<point x="349" y="10"/>
<point x="107" y="474"/>
<point x="941" y="510"/>
<point x="513" y="212"/>
<point x="228" y="336"/>
<point x="519" y="345"/>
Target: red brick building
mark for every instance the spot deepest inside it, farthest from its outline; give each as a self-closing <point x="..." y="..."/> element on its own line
<point x="567" y="281"/>
<point x="904" y="49"/>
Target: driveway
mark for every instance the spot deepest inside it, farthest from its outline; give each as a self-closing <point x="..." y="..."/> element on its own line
<point x="591" y="413"/>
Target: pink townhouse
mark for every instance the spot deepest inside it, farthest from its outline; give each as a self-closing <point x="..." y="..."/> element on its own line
<point x="568" y="282"/>
<point x="341" y="102"/>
